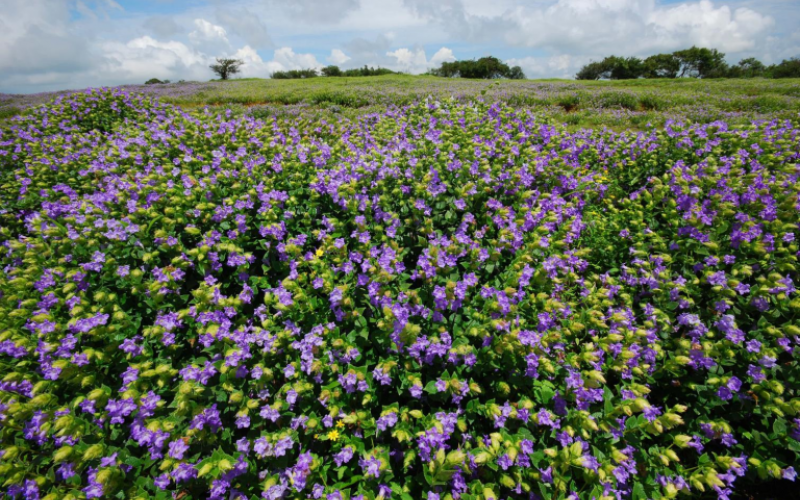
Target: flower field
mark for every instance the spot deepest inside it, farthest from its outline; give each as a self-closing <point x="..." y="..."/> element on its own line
<point x="450" y="298"/>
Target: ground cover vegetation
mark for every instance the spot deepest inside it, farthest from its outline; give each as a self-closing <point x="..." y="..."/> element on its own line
<point x="454" y="298"/>
<point x="618" y="104"/>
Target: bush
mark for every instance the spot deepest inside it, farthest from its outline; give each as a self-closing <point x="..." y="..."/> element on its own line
<point x="294" y="74"/>
<point x="569" y="102"/>
<point x="624" y="100"/>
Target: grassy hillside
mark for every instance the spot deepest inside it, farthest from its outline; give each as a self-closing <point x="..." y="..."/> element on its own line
<point x="618" y="104"/>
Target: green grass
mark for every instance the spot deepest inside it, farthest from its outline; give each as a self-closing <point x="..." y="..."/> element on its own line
<point x="619" y="104"/>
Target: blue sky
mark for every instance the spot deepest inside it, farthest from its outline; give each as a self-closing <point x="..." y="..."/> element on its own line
<point x="68" y="44"/>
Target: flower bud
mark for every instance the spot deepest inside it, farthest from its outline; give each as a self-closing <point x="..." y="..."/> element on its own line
<point x="62" y="454"/>
<point x="92" y="452"/>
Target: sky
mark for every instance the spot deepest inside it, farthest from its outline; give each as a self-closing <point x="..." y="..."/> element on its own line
<point x="71" y="44"/>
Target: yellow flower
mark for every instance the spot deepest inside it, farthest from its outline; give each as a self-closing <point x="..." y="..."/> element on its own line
<point x="333" y="435"/>
<point x="320" y="252"/>
<point x="340" y="424"/>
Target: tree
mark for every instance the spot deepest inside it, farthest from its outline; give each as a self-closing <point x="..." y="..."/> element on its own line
<point x="331" y="71"/>
<point x="622" y="68"/>
<point x="516" y="73"/>
<point x="486" y="68"/>
<point x="788" y="68"/>
<point x="750" y="67"/>
<point x="612" y="68"/>
<point x="701" y="62"/>
<point x="592" y="71"/>
<point x="661" y="66"/>
<point x="226" y="67"/>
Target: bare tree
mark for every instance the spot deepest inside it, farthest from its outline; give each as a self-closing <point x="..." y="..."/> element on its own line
<point x="226" y="67"/>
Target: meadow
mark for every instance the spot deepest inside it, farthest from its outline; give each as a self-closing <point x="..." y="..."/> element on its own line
<point x="401" y="288"/>
<point x="621" y="105"/>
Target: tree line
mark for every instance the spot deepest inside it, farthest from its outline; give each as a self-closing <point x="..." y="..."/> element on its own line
<point x="332" y="70"/>
<point x="484" y="68"/>
<point x="696" y="62"/>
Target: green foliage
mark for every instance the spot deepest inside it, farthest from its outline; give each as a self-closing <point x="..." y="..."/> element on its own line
<point x="7" y="112"/>
<point x="484" y="68"/>
<point x="788" y="68"/>
<point x="696" y="62"/>
<point x="330" y="71"/>
<point x="661" y="66"/>
<point x="293" y="74"/>
<point x="592" y="71"/>
<point x="367" y="71"/>
<point x="700" y="62"/>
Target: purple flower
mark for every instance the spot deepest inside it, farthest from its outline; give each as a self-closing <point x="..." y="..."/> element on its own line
<point x="590" y="462"/>
<point x="343" y="456"/>
<point x="370" y="466"/>
<point x="760" y="303"/>
<point x="209" y="417"/>
<point x="505" y="462"/>
<point x="177" y="449"/>
<point x="718" y="279"/>
<point x="66" y="471"/>
<point x="162" y="481"/>
<point x="386" y="421"/>
<point x="283" y="445"/>
<point x="696" y="444"/>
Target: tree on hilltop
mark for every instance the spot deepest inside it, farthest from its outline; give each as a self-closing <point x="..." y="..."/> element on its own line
<point x="226" y="67"/>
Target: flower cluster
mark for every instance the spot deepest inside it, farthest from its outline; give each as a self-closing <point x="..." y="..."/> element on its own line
<point x="446" y="301"/>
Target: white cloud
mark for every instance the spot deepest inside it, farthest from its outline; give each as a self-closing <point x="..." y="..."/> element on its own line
<point x="254" y="66"/>
<point x="605" y="26"/>
<point x="143" y="58"/>
<point x="287" y="58"/>
<point x="442" y="55"/>
<point x="209" y="38"/>
<point x="703" y="24"/>
<point x="207" y="32"/>
<point x="560" y="63"/>
<point x="57" y="44"/>
<point x="36" y="38"/>
<point x="415" y="61"/>
<point x="337" y="57"/>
